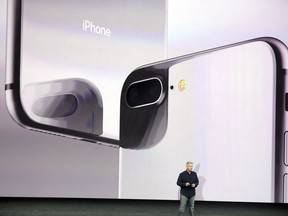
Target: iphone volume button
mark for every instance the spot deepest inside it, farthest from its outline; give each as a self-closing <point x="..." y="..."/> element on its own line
<point x="286" y="148"/>
<point x="286" y="167"/>
<point x="286" y="188"/>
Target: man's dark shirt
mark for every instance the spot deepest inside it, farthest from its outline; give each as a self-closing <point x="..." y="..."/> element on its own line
<point x="185" y="177"/>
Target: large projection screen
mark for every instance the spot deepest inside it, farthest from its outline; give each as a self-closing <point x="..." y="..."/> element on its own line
<point x="224" y="121"/>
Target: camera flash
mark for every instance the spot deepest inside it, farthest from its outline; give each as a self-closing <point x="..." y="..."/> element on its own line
<point x="182" y="85"/>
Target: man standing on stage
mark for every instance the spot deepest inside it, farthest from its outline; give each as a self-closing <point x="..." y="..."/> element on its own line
<point x="188" y="181"/>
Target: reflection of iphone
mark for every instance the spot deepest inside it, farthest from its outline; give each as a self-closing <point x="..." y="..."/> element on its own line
<point x="67" y="62"/>
<point x="226" y="112"/>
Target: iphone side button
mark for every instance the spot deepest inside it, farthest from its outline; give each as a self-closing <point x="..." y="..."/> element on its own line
<point x="286" y="188"/>
<point x="286" y="167"/>
<point x="286" y="149"/>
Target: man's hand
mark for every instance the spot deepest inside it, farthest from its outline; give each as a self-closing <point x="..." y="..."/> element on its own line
<point x="187" y="184"/>
<point x="193" y="185"/>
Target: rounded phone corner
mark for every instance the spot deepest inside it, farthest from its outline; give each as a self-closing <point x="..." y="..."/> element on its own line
<point x="15" y="108"/>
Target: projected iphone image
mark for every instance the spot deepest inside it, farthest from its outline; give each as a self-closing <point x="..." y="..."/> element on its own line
<point x="225" y="110"/>
<point x="67" y="62"/>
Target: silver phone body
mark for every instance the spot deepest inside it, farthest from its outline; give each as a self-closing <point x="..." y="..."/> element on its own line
<point x="230" y="120"/>
<point x="57" y="47"/>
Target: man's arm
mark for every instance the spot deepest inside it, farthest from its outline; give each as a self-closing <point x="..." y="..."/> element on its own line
<point x="180" y="181"/>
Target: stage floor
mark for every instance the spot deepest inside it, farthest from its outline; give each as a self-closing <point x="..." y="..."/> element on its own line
<point x="107" y="207"/>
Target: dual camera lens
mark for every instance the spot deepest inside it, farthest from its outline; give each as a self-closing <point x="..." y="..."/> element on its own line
<point x="144" y="92"/>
